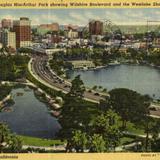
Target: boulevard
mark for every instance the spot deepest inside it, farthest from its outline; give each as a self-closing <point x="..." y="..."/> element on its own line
<point x="42" y="72"/>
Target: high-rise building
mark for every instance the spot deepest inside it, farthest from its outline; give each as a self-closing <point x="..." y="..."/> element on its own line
<point x="6" y="23"/>
<point x="96" y="27"/>
<point x="22" y="28"/>
<point x="8" y="39"/>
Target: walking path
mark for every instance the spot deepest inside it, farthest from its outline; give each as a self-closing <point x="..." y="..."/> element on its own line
<point x="54" y="148"/>
<point x="4" y="100"/>
<point x="124" y="147"/>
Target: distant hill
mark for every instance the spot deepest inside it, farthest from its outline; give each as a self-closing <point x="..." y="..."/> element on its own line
<point x="125" y="28"/>
<point x="138" y="28"/>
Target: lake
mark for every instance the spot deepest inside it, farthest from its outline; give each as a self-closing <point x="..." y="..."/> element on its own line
<point x="141" y="78"/>
<point x="30" y="116"/>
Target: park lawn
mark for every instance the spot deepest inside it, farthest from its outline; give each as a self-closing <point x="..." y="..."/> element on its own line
<point x="126" y="140"/>
<point x="33" y="141"/>
<point x="133" y="129"/>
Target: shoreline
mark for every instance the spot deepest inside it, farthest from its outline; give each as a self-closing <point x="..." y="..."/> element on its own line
<point x="5" y="100"/>
<point x="143" y="63"/>
<point x="41" y="95"/>
<point x="9" y="108"/>
<point x="116" y="64"/>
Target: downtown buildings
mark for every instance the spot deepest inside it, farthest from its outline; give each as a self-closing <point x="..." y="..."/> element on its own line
<point x="95" y="27"/>
<point x="54" y="27"/>
<point x="22" y="28"/>
<point x="8" y="39"/>
<point x="16" y="34"/>
<point x="96" y="32"/>
<point x="6" y="23"/>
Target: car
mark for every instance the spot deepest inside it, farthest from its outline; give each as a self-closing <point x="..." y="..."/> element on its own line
<point x="67" y="86"/>
<point x="96" y="94"/>
<point x="152" y="109"/>
<point x="90" y="91"/>
<point x="60" y="81"/>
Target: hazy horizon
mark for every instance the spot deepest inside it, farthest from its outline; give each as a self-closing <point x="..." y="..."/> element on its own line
<point x="82" y="16"/>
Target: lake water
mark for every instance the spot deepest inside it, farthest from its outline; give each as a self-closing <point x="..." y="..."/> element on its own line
<point x="143" y="79"/>
<point x="30" y="116"/>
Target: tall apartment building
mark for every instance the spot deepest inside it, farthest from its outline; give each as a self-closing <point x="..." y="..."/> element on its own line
<point x="96" y="27"/>
<point x="22" y="28"/>
<point x="6" y="23"/>
<point x="8" y="39"/>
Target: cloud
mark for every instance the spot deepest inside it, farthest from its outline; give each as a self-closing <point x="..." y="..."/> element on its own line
<point x="91" y="15"/>
<point x="8" y="16"/>
<point x="130" y="16"/>
<point x="82" y="16"/>
<point x="76" y="16"/>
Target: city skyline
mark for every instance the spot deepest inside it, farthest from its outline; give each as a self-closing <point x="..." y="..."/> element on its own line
<point x="82" y="16"/>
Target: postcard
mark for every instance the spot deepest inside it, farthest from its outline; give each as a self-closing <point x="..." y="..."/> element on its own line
<point x="79" y="79"/>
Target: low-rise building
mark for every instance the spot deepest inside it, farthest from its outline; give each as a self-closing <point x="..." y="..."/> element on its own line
<point x="71" y="34"/>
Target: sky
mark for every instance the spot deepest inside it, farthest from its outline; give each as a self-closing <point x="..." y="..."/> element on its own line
<point x="82" y="16"/>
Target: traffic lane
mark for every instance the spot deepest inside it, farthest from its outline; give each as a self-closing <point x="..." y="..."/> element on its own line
<point x="47" y="76"/>
<point x="63" y="86"/>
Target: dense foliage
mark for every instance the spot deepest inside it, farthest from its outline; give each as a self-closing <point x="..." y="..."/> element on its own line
<point x="9" y="142"/>
<point x="85" y="126"/>
<point x="13" y="67"/>
<point x="100" y="128"/>
<point x="4" y="91"/>
<point x="130" y="105"/>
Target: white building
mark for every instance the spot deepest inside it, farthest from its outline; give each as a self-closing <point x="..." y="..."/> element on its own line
<point x="72" y="34"/>
<point x="8" y="39"/>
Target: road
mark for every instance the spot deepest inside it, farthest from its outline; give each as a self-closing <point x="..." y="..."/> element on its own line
<point x="47" y="77"/>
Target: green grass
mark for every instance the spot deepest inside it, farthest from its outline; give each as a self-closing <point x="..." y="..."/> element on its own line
<point x="33" y="141"/>
<point x="126" y="140"/>
<point x="133" y="129"/>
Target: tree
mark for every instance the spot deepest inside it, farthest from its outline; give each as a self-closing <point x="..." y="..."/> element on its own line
<point x="5" y="90"/>
<point x="94" y="87"/>
<point x="130" y="105"/>
<point x="79" y="140"/>
<point x="97" y="143"/>
<point x="13" y="67"/>
<point x="3" y="50"/>
<point x="8" y="141"/>
<point x="108" y="126"/>
<point x="155" y="145"/>
<point x="76" y="114"/>
<point x="100" y="87"/>
<point x="78" y="88"/>
<point x="104" y="90"/>
<point x="152" y="128"/>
